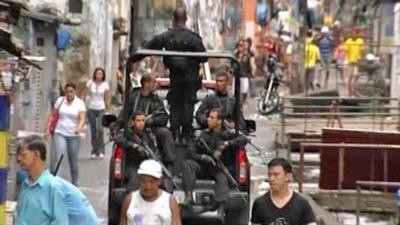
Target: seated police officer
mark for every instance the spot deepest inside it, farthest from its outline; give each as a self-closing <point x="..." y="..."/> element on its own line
<point x="202" y="163"/>
<point x="143" y="99"/>
<point x="135" y="151"/>
<point x="221" y="100"/>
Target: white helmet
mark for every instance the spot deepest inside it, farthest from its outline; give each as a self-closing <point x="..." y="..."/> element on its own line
<point x="325" y="29"/>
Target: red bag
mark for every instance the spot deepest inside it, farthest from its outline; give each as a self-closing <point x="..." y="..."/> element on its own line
<point x="54" y="119"/>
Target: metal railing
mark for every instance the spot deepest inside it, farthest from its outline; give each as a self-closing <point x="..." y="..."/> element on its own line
<point x="360" y="184"/>
<point x="324" y="110"/>
<point x="342" y="149"/>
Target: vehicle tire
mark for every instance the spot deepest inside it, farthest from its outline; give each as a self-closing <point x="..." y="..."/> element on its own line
<point x="272" y="103"/>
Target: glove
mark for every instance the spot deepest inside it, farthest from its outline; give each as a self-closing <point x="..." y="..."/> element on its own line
<point x="208" y="159"/>
<point x="142" y="151"/>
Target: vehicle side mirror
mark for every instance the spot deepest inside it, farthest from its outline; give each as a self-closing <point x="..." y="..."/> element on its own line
<point x="251" y="126"/>
<point x="106" y="120"/>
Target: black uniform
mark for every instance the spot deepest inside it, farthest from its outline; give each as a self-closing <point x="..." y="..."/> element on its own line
<point x="196" y="167"/>
<point x="156" y="119"/>
<point x="225" y="103"/>
<point x="184" y="74"/>
<point x="135" y="154"/>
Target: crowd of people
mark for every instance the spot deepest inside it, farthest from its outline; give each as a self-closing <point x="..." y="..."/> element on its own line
<point x="45" y="198"/>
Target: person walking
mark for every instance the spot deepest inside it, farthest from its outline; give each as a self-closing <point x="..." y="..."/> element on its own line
<point x="311" y="56"/>
<point x="325" y="43"/>
<point x="41" y="199"/>
<point x="71" y="112"/>
<point x="98" y="90"/>
<point x="340" y="56"/>
<point x="150" y="205"/>
<point x="184" y="73"/>
<point x="355" y="47"/>
<point x="79" y="209"/>
<point x="281" y="205"/>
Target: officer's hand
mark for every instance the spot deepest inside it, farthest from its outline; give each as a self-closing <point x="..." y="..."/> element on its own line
<point x="142" y="151"/>
<point x="133" y="145"/>
<point x="217" y="154"/>
<point x="208" y="159"/>
<point x="114" y="127"/>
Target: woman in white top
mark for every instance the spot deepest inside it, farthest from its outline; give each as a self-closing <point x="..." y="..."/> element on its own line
<point x="98" y="90"/>
<point x="150" y="205"/>
<point x="71" y="111"/>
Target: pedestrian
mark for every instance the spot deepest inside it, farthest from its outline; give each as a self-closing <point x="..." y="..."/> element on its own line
<point x="355" y="47"/>
<point x="98" y="90"/>
<point x="252" y="85"/>
<point x="80" y="211"/>
<point x="340" y="56"/>
<point x="145" y="100"/>
<point x="150" y="204"/>
<point x="244" y="58"/>
<point x="325" y="44"/>
<point x="281" y="205"/>
<point x="203" y="163"/>
<point x="71" y="112"/>
<point x="41" y="198"/>
<point x="311" y="56"/>
<point x="184" y="72"/>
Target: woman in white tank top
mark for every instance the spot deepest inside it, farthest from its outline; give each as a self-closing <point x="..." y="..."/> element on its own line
<point x="150" y="205"/>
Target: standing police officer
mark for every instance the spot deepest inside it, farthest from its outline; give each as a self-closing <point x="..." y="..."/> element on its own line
<point x="184" y="72"/>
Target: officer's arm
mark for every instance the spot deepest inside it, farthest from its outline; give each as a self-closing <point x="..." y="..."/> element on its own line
<point x="237" y="141"/>
<point x="199" y="47"/>
<point x="157" y="43"/>
<point x="201" y="113"/>
<point x="160" y="115"/>
<point x="124" y="209"/>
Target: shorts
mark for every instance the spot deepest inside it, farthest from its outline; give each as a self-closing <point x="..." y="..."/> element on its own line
<point x="325" y="63"/>
<point x="353" y="69"/>
<point x="244" y="85"/>
<point x="310" y="74"/>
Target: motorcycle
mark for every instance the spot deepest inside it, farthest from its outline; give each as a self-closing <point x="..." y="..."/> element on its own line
<point x="269" y="101"/>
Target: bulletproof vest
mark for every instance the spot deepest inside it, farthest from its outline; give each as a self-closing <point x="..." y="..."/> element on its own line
<point x="182" y="68"/>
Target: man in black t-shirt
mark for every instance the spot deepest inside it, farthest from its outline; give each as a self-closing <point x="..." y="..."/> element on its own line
<point x="281" y="205"/>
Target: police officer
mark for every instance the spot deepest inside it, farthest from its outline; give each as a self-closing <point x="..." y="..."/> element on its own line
<point x="221" y="100"/>
<point x="202" y="163"/>
<point x="143" y="99"/>
<point x="184" y="72"/>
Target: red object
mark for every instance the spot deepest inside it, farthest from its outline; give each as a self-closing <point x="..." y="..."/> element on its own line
<point x="54" y="119"/>
<point x="243" y="166"/>
<point x="118" y="162"/>
<point x="359" y="163"/>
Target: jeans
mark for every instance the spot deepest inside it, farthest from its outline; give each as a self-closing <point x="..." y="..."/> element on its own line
<point x="70" y="145"/>
<point x="96" y="130"/>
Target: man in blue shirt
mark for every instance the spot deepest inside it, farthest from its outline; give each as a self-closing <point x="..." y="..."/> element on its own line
<point x="79" y="210"/>
<point x="325" y="43"/>
<point x="41" y="200"/>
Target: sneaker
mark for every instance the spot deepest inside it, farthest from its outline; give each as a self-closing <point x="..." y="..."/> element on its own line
<point x="101" y="155"/>
<point x="93" y="156"/>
